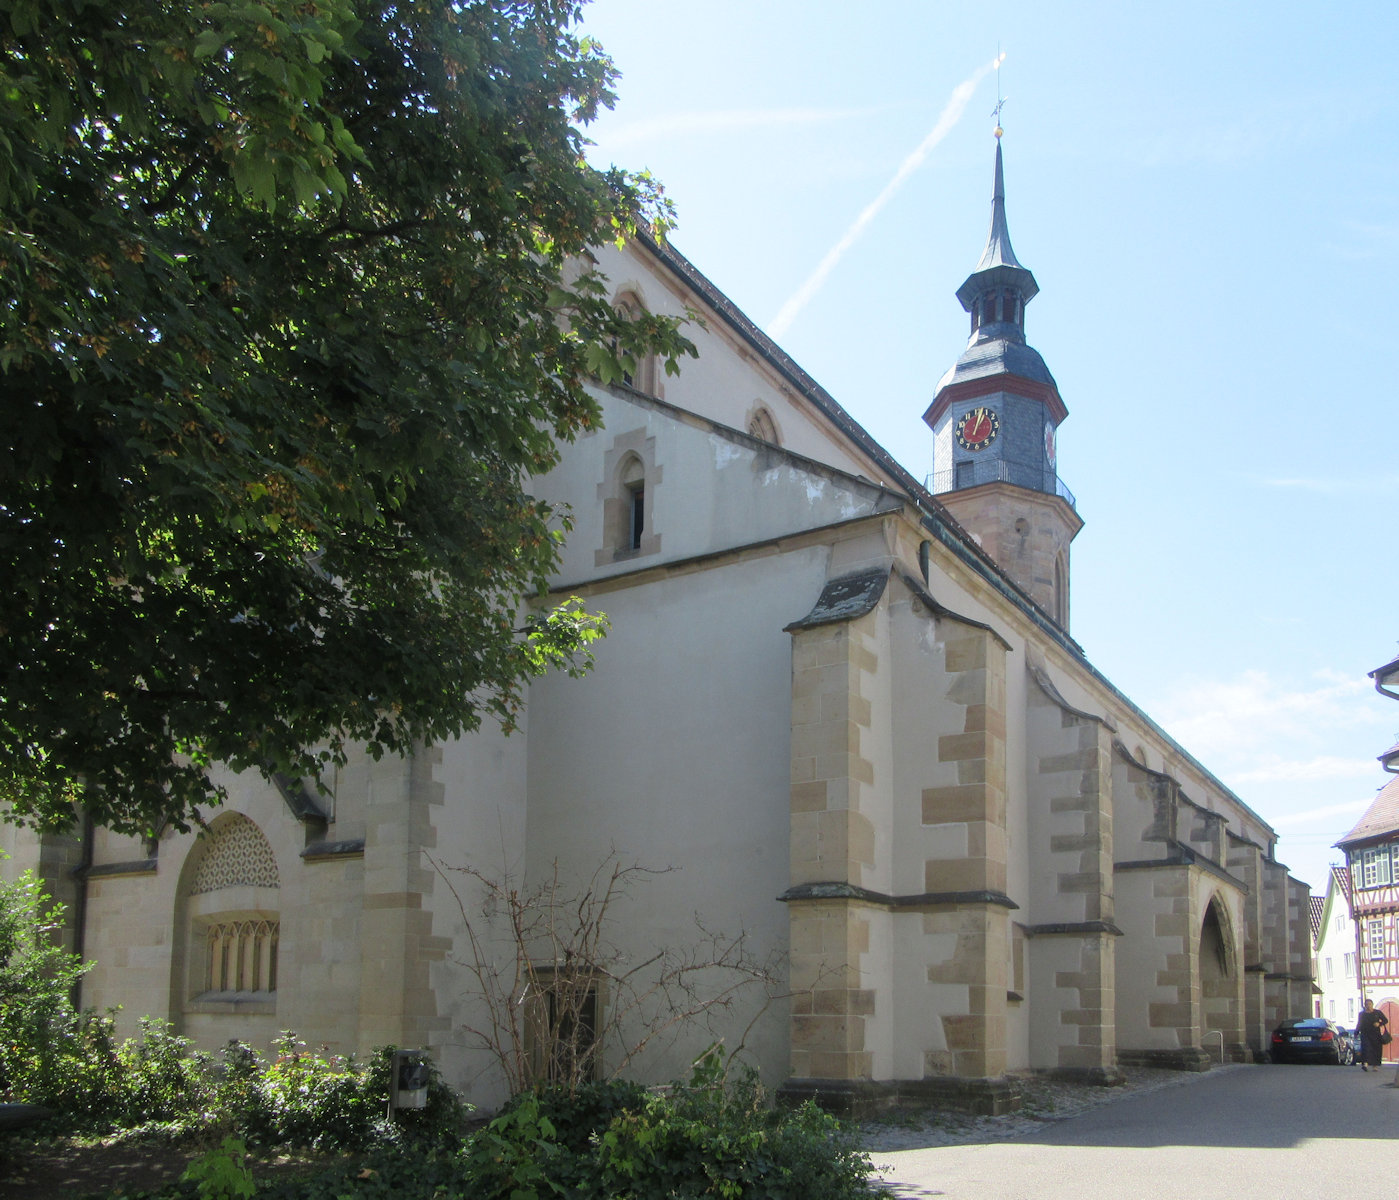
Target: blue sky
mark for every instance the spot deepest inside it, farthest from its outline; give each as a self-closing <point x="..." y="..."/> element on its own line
<point x="1208" y="195"/>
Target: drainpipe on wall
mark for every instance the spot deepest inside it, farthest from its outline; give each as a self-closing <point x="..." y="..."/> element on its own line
<point x="80" y="873"/>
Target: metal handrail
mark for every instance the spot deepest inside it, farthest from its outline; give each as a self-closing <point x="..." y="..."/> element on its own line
<point x="1000" y="470"/>
<point x="1219" y="1033"/>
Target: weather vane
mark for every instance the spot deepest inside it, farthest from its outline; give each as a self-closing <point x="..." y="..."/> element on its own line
<point x="1000" y="100"/>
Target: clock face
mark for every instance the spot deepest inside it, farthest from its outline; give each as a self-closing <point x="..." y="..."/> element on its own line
<point x="978" y="428"/>
<point x="1049" y="442"/>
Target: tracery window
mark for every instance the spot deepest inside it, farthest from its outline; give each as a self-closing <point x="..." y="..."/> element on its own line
<point x="762" y="426"/>
<point x="231" y="915"/>
<point x="642" y="376"/>
<point x="242" y="956"/>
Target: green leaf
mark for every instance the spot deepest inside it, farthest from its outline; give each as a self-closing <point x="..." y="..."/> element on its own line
<point x="274" y="456"/>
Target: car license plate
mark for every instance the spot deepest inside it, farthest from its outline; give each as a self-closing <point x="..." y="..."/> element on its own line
<point x="1299" y="1039"/>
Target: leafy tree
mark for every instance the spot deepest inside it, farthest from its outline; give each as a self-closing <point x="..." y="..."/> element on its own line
<point x="293" y="300"/>
<point x="37" y="978"/>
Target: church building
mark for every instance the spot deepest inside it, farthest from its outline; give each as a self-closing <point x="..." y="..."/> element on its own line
<point x="840" y="712"/>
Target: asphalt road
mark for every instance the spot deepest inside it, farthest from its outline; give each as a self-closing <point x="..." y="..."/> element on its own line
<point x="1252" y="1133"/>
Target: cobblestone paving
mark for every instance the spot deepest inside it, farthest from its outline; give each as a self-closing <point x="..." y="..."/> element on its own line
<point x="1046" y="1100"/>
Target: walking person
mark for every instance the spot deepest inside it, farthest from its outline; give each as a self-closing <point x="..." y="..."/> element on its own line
<point x="1372" y="1026"/>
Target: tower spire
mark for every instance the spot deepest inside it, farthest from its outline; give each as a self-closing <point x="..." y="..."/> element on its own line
<point x="999" y="270"/>
<point x="995" y="417"/>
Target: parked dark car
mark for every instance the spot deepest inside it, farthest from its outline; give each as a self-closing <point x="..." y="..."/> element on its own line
<point x="1352" y="1040"/>
<point x="1311" y="1039"/>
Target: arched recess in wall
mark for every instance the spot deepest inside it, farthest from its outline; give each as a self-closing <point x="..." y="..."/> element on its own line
<point x="1061" y="590"/>
<point x="643" y="375"/>
<point x="1219" y="987"/>
<point x="629" y="513"/>
<point x="227" y="922"/>
<point x="630" y="482"/>
<point x="762" y="426"/>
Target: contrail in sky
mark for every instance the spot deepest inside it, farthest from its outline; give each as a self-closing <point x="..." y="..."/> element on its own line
<point x="947" y="119"/>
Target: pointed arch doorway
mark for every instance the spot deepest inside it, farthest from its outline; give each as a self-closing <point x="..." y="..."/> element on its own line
<point x="1221" y="989"/>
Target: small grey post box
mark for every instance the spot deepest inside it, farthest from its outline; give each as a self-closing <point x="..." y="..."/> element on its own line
<point x="408" y="1085"/>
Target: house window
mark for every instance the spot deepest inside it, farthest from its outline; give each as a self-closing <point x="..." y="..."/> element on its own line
<point x="1331" y="1009"/>
<point x="1374" y="866"/>
<point x="1348" y="965"/>
<point x="1374" y="938"/>
<point x="1350" y="1008"/>
<point x="1329" y="975"/>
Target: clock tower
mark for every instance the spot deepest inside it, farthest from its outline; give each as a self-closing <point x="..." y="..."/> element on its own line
<point x="995" y="419"/>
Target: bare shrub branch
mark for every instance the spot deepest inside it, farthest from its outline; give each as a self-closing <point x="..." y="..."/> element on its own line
<point x="562" y="1003"/>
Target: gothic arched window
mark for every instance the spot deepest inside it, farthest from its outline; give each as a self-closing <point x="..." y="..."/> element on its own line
<point x="232" y="914"/>
<point x="762" y="426"/>
<point x="642" y="376"/>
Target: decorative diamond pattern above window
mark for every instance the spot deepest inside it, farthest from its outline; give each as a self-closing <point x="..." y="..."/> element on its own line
<point x="238" y="855"/>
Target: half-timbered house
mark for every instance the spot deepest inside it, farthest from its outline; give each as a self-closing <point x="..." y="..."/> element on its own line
<point x="1372" y="858"/>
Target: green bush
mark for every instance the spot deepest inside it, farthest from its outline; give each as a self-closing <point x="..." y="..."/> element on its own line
<point x="303" y="1098"/>
<point x="38" y="1026"/>
<point x="53" y="1055"/>
<point x="438" y="1123"/>
<point x="706" y="1139"/>
<point x="159" y="1077"/>
<point x="728" y="1142"/>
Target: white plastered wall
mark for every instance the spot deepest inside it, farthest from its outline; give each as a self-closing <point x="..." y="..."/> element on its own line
<point x="674" y="752"/>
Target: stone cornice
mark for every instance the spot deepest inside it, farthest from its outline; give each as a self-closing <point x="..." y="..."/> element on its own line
<point x="321" y="851"/>
<point x="1182" y="856"/>
<point x="140" y="866"/>
<point x="849" y="892"/>
<point x="1040" y="674"/>
<point x="1072" y="929"/>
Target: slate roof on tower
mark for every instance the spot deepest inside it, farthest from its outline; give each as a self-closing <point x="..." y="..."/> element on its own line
<point x="998" y="347"/>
